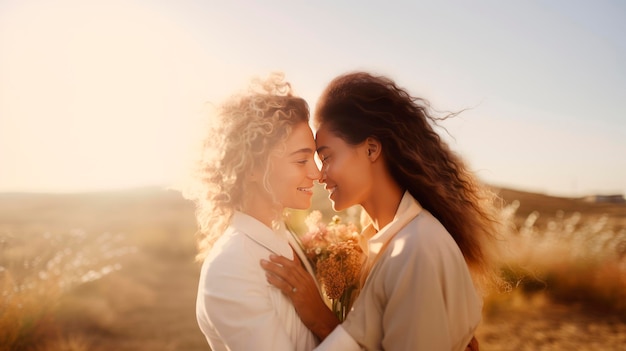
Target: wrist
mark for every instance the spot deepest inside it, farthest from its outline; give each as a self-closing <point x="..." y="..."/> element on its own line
<point x="325" y="325"/>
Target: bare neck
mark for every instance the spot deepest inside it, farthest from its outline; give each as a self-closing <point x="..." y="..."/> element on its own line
<point x="261" y="209"/>
<point x="383" y="202"/>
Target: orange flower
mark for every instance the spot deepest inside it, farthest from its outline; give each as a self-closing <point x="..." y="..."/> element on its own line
<point x="334" y="251"/>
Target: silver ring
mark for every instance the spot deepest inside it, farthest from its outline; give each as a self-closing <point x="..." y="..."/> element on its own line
<point x="293" y="290"/>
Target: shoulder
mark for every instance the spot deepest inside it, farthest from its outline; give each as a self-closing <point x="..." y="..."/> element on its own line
<point x="424" y="229"/>
<point x="234" y="250"/>
<point x="426" y="240"/>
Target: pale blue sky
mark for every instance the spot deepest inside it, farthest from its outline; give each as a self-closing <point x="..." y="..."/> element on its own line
<point x="106" y="94"/>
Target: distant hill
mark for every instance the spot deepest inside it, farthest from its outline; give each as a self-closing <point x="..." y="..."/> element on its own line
<point x="80" y="208"/>
<point x="548" y="205"/>
<point x="114" y="209"/>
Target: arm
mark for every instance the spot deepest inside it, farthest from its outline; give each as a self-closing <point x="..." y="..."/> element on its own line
<point x="286" y="275"/>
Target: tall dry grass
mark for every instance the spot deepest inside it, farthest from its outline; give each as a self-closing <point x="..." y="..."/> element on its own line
<point x="66" y="289"/>
<point x="38" y="269"/>
<point x="60" y="286"/>
<point x="572" y="258"/>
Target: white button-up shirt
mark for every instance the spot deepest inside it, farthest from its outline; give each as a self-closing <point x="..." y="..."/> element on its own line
<point x="237" y="309"/>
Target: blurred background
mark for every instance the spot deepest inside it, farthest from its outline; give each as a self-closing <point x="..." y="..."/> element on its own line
<point x="111" y="94"/>
<point x="103" y="104"/>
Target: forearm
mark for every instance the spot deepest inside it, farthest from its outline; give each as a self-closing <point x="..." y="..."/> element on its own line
<point x="324" y="323"/>
<point x="296" y="283"/>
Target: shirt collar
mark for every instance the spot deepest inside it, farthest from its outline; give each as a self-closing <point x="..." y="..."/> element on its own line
<point x="273" y="240"/>
<point x="408" y="209"/>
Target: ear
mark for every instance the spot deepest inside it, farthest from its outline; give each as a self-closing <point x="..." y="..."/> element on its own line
<point x="374" y="148"/>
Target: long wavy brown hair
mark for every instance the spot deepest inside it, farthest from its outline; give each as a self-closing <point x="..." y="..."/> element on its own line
<point x="359" y="105"/>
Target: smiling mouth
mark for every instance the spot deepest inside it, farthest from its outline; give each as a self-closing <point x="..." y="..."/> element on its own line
<point x="306" y="190"/>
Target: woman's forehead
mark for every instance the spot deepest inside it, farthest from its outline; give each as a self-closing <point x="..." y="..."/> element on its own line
<point x="299" y="141"/>
<point x="325" y="139"/>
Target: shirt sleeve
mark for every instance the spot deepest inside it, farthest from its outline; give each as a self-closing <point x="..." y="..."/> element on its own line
<point x="339" y="339"/>
<point x="415" y="316"/>
<point x="238" y="305"/>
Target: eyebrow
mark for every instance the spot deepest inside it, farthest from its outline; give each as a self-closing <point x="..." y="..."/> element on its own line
<point x="304" y="150"/>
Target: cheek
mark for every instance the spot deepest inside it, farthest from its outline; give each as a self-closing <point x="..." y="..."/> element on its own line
<point x="354" y="176"/>
<point x="288" y="178"/>
<point x="344" y="169"/>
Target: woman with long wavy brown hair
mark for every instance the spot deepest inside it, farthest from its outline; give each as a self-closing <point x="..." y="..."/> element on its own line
<point x="430" y="221"/>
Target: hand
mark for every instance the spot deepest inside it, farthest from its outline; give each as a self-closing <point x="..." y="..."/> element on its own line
<point x="296" y="283"/>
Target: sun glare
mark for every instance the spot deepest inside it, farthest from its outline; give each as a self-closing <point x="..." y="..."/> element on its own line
<point x="94" y="95"/>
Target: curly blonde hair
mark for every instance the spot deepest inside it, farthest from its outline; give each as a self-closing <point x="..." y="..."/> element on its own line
<point x="246" y="129"/>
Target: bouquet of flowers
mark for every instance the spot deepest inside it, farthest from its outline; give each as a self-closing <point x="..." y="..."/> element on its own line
<point x="337" y="257"/>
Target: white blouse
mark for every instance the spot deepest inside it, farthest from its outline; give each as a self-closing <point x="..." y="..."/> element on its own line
<point x="236" y="308"/>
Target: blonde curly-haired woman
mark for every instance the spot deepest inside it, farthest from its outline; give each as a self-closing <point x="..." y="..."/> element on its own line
<point x="258" y="160"/>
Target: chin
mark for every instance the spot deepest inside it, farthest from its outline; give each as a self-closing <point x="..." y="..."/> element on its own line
<point x="302" y="205"/>
<point x="337" y="207"/>
<point x="335" y="199"/>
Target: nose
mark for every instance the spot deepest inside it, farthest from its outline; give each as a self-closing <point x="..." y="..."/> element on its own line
<point x="314" y="172"/>
<point x="323" y="173"/>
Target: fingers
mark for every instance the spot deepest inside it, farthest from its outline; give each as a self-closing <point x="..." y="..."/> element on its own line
<point x="279" y="283"/>
<point x="296" y="258"/>
<point x="275" y="267"/>
<point x="289" y="275"/>
<point x="284" y="261"/>
<point x="278" y="271"/>
<point x="284" y="267"/>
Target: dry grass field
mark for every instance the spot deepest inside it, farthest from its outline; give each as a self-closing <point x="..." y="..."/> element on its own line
<point x="116" y="271"/>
